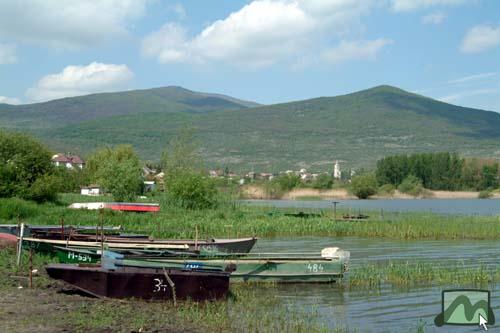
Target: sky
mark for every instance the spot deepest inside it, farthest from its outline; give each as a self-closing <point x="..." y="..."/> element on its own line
<point x="268" y="51"/>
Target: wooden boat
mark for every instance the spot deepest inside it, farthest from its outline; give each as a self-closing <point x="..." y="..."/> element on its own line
<point x="329" y="266"/>
<point x="236" y="245"/>
<point x="146" y="283"/>
<point x="47" y="245"/>
<point x="29" y="229"/>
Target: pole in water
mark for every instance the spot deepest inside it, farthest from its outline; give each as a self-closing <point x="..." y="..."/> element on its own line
<point x="335" y="210"/>
<point x="62" y="228"/>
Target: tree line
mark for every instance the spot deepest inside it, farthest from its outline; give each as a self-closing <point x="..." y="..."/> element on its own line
<point x="439" y="171"/>
<point x="27" y="172"/>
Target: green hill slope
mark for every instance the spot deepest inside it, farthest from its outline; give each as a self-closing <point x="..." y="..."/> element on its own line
<point x="97" y="106"/>
<point x="357" y="128"/>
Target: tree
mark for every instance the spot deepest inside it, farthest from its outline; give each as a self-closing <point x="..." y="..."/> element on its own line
<point x="182" y="153"/>
<point x="117" y="170"/>
<point x="186" y="185"/>
<point x="364" y="185"/>
<point x="25" y="168"/>
<point x="323" y="182"/>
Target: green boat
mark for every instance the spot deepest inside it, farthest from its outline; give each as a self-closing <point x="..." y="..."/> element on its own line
<point x="328" y="266"/>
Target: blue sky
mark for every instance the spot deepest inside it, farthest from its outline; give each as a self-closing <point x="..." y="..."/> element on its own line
<point x="265" y="50"/>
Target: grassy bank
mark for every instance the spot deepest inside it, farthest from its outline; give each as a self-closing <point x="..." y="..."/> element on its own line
<point x="232" y="220"/>
<point x="44" y="308"/>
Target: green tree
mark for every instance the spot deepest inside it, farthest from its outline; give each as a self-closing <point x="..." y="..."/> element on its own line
<point x="186" y="184"/>
<point x="411" y="185"/>
<point x="117" y="170"/>
<point x="364" y="185"/>
<point x="182" y="153"/>
<point x="25" y="168"/>
<point x="323" y="182"/>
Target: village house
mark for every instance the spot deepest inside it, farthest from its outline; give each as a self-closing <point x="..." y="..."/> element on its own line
<point x="68" y="160"/>
<point x="90" y="190"/>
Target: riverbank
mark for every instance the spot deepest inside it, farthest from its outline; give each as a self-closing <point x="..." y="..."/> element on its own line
<point x="259" y="192"/>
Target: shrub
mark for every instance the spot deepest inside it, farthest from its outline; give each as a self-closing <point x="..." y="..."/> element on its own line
<point x="486" y="194"/>
<point x="386" y="189"/>
<point x="191" y="190"/>
<point x="323" y="182"/>
<point x="24" y="165"/>
<point x="364" y="185"/>
<point x="411" y="185"/>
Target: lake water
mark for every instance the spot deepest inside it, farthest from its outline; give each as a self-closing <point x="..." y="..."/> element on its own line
<point x="385" y="310"/>
<point x="442" y="206"/>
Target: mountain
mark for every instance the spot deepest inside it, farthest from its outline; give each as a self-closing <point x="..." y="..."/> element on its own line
<point x="97" y="106"/>
<point x="357" y="128"/>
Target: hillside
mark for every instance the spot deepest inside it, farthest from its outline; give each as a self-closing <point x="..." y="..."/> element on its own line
<point x="97" y="106"/>
<point x="357" y="128"/>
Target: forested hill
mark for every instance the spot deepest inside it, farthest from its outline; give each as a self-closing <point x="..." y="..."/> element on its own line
<point x="357" y="128"/>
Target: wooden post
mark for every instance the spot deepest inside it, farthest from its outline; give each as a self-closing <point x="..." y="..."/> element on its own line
<point x="102" y="233"/>
<point x="62" y="228"/>
<point x="335" y="210"/>
<point x="196" y="237"/>
<point x="31" y="268"/>
<point x="20" y="245"/>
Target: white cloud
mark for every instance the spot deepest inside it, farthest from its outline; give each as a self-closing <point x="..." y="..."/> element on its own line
<point x="7" y="54"/>
<point x="481" y="38"/>
<point x="433" y="18"/>
<point x="261" y="33"/>
<point x="474" y="77"/>
<point x="469" y="93"/>
<point x="9" y="100"/>
<point x="411" y="5"/>
<point x="80" y="80"/>
<point x="365" y="49"/>
<point x="68" y="23"/>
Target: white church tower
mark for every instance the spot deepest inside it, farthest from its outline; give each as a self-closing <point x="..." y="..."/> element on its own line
<point x="336" y="170"/>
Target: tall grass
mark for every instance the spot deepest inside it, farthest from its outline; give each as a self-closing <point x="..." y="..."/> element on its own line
<point x="233" y="220"/>
<point x="410" y="274"/>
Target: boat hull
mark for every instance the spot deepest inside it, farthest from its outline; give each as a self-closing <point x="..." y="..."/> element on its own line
<point x="144" y="283"/>
<point x="292" y="270"/>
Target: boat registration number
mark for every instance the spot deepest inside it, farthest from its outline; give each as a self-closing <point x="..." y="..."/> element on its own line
<point x="79" y="257"/>
<point x="315" y="268"/>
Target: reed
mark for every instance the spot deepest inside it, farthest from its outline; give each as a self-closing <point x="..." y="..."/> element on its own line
<point x="411" y="274"/>
<point x="235" y="220"/>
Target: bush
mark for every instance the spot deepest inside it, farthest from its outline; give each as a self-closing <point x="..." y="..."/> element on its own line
<point x="25" y="164"/>
<point x="386" y="189"/>
<point x="486" y="194"/>
<point x="323" y="182"/>
<point x="287" y="182"/>
<point x="411" y="185"/>
<point x="191" y="190"/>
<point x="364" y="186"/>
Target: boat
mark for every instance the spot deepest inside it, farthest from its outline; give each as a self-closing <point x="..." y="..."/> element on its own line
<point x="229" y="245"/>
<point x="328" y="266"/>
<point x="146" y="283"/>
<point x="30" y="229"/>
<point x="119" y="206"/>
<point x="48" y="245"/>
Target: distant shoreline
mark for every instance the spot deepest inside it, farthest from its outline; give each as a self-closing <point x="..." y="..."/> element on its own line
<point x="258" y="192"/>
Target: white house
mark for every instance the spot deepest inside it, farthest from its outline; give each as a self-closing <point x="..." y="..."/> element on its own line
<point x="69" y="161"/>
<point x="90" y="190"/>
